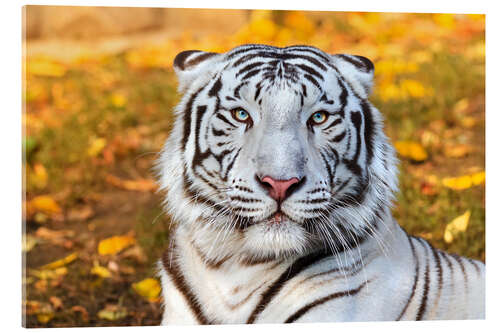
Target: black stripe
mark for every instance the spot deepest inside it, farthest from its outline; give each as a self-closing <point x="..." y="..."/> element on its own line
<point x="415" y="279"/>
<point x="310" y="70"/>
<point x="249" y="67"/>
<point x="423" y="302"/>
<point x="474" y="263"/>
<point x="438" y="267"/>
<point x="335" y="122"/>
<point x="215" y="88"/>
<point x="312" y="80"/>
<point x="224" y="119"/>
<point x="187" y="118"/>
<point x="361" y="63"/>
<point x="251" y="74"/>
<point x="297" y="267"/>
<point x="369" y="131"/>
<point x="175" y="272"/>
<point x="338" y="138"/>
<point x="303" y="310"/>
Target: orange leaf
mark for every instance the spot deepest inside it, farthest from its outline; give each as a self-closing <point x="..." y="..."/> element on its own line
<point x="114" y="244"/>
<point x="43" y="204"/>
<point x="411" y="150"/>
<point x="464" y="182"/>
<point x="140" y="185"/>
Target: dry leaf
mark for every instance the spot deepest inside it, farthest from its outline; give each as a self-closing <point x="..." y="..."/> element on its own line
<point x="115" y="244"/>
<point x="45" y="67"/>
<point x="43" y="204"/>
<point x="44" y="313"/>
<point x="118" y="100"/>
<point x="112" y="312"/>
<point x="136" y="253"/>
<point x="100" y="271"/>
<point x="29" y="242"/>
<point x="49" y="274"/>
<point x="412" y="150"/>
<point x="96" y="146"/>
<point x="464" y="182"/>
<point x="148" y="288"/>
<point x="457" y="151"/>
<point x="458" y="225"/>
<point x="56" y="302"/>
<point x="141" y="185"/>
<point x="61" y="262"/>
<point x="81" y="213"/>
<point x="82" y="310"/>
<point x="39" y="176"/>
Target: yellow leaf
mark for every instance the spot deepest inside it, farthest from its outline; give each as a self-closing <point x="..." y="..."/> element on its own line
<point x="96" y="146"/>
<point x="100" y="271"/>
<point x="44" y="318"/>
<point x="461" y="105"/>
<point x="148" y="288"/>
<point x="48" y="274"/>
<point x="61" y="262"/>
<point x="464" y="182"/>
<point x="457" y="151"/>
<point x="411" y="150"/>
<point x="115" y="244"/>
<point x="39" y="177"/>
<point x="44" y="204"/>
<point x="112" y="312"/>
<point x="118" y="100"/>
<point x="29" y="242"/>
<point x="140" y="185"/>
<point x="458" y="225"/>
<point x="42" y="67"/>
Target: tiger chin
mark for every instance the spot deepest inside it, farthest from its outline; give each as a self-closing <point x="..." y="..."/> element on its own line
<point x="279" y="181"/>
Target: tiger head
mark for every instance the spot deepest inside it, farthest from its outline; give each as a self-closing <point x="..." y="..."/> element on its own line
<point x="275" y="151"/>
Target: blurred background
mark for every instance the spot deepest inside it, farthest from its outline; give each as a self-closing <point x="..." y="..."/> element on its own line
<point x="98" y="96"/>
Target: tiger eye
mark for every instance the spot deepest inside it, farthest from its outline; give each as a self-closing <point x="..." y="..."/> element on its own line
<point x="240" y="115"/>
<point x="318" y="118"/>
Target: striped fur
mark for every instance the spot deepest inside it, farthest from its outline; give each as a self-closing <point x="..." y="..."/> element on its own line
<point x="329" y="251"/>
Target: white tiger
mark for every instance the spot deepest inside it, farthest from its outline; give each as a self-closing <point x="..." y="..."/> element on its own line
<point x="279" y="179"/>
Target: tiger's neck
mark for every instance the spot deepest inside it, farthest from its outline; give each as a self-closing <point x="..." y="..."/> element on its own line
<point x="227" y="253"/>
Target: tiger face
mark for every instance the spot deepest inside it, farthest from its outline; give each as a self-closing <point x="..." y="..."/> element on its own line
<point x="277" y="150"/>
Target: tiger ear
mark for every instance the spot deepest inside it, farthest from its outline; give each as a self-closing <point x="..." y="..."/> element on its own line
<point x="191" y="64"/>
<point x="357" y="70"/>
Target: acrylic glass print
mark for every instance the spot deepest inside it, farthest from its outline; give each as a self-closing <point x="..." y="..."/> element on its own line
<point x="254" y="167"/>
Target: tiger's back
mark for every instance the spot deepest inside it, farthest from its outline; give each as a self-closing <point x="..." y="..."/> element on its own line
<point x="279" y="179"/>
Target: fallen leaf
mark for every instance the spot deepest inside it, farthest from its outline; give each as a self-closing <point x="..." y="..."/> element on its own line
<point x="49" y="274"/>
<point x="44" y="204"/>
<point x="56" y="302"/>
<point x="81" y="213"/>
<point x="112" y="312"/>
<point x="115" y="244"/>
<point x="141" y="185"/>
<point x="61" y="262"/>
<point x="45" y="67"/>
<point x="41" y="285"/>
<point x="82" y="310"/>
<point x="412" y="150"/>
<point x="148" y="288"/>
<point x="118" y="100"/>
<point x="44" y="313"/>
<point x="136" y="253"/>
<point x="29" y="242"/>
<point x="96" y="146"/>
<point x="464" y="182"/>
<point x="458" y="225"/>
<point x="39" y="176"/>
<point x="100" y="271"/>
<point x="461" y="105"/>
<point x="457" y="151"/>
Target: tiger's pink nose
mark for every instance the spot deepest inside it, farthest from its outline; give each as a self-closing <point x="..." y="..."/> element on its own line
<point x="277" y="189"/>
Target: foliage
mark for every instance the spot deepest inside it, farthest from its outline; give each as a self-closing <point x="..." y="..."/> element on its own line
<point x="93" y="127"/>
